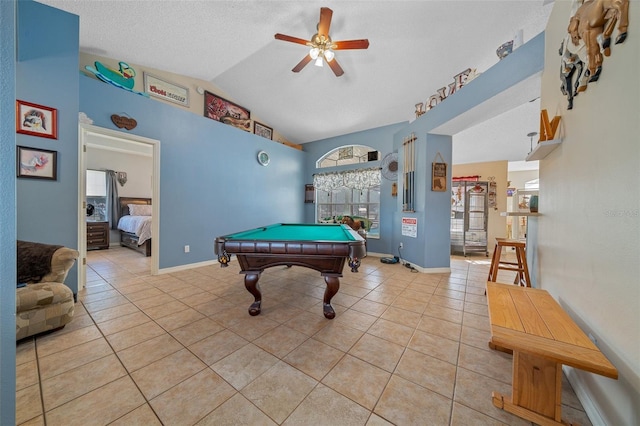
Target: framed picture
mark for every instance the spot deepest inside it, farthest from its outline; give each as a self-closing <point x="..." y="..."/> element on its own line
<point x="219" y="109"/>
<point x="162" y="89"/>
<point x="309" y="193"/>
<point x="36" y="120"/>
<point x="262" y="130"/>
<point x="37" y="163"/>
<point x="438" y="176"/>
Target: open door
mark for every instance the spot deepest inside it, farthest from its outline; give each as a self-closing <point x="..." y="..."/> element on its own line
<point x="123" y="142"/>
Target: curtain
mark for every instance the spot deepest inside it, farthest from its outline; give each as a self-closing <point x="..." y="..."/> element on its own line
<point x="113" y="204"/>
<point x="353" y="179"/>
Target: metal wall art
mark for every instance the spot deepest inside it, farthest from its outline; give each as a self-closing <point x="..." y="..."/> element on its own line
<point x="589" y="38"/>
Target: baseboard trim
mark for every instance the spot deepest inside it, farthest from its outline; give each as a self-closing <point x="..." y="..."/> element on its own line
<point x="590" y="407"/>
<point x="214" y="262"/>
<point x="416" y="267"/>
<point x="187" y="266"/>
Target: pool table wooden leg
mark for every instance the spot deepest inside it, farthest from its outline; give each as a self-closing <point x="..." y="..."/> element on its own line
<point x="251" y="284"/>
<point x="333" y="285"/>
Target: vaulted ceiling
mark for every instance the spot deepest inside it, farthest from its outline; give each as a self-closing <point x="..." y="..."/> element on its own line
<point x="416" y="47"/>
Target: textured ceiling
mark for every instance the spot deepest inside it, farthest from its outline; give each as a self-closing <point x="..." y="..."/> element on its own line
<point x="416" y="47"/>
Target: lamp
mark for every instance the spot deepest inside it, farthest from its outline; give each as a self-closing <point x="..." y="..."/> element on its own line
<point x="316" y="53"/>
<point x="329" y="55"/>
<point x="321" y="46"/>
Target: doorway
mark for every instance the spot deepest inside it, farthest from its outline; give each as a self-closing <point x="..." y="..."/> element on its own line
<point x="92" y="136"/>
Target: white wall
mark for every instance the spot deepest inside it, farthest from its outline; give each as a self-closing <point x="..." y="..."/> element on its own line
<point x="588" y="235"/>
<point x="519" y="178"/>
<point x="138" y="168"/>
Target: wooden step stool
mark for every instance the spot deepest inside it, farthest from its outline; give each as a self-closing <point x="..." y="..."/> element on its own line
<point x="520" y="266"/>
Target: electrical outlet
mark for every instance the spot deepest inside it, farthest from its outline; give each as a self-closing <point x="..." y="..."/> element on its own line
<point x="401" y="245"/>
<point x="186" y="249"/>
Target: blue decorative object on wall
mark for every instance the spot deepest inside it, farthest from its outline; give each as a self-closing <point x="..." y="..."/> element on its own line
<point x="123" y="78"/>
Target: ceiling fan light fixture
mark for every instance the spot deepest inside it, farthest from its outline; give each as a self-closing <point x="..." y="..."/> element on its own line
<point x="329" y="55"/>
<point x="321" y="47"/>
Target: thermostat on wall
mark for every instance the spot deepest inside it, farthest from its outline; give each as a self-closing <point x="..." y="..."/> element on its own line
<point x="263" y="158"/>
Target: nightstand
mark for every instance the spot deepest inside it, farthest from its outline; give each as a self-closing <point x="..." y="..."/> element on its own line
<point x="97" y="235"/>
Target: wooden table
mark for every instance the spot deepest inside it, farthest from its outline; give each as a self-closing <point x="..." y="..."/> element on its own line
<point x="542" y="337"/>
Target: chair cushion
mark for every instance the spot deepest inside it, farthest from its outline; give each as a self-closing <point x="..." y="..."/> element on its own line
<point x="40" y="295"/>
<point x="42" y="307"/>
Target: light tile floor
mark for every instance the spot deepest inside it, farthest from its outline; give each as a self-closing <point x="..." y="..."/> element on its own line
<point x="180" y="349"/>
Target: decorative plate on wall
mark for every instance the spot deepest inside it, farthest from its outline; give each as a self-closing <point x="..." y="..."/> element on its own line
<point x="263" y="158"/>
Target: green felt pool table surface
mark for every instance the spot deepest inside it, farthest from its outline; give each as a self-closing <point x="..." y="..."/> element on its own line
<point x="297" y="232"/>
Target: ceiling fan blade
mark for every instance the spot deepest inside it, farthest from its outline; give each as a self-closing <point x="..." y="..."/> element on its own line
<point x="284" y="37"/>
<point x="325" y="21"/>
<point x="335" y="67"/>
<point x="351" y="44"/>
<point x="303" y="63"/>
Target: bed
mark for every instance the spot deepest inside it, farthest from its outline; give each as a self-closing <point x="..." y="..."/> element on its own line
<point x="135" y="225"/>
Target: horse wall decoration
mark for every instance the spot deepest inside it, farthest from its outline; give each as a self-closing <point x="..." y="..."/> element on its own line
<point x="588" y="38"/>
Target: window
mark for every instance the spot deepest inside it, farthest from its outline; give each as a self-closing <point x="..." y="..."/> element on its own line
<point x="354" y="193"/>
<point x="97" y="195"/>
<point x="345" y="155"/>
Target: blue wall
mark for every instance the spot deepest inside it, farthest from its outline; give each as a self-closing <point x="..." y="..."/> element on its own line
<point x="433" y="209"/>
<point x="47" y="70"/>
<point x="431" y="248"/>
<point x="7" y="215"/>
<point x="380" y="138"/>
<point x="211" y="183"/>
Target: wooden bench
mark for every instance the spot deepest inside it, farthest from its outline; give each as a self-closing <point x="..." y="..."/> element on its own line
<point x="542" y="337"/>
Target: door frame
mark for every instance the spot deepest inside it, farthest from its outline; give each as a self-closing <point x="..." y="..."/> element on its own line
<point x="84" y="131"/>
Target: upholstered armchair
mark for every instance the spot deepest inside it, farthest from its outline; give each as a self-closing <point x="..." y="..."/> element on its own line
<point x="43" y="302"/>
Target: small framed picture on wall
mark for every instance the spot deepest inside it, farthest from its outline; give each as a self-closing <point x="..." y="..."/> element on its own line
<point x="36" y="163"/>
<point x="36" y="120"/>
<point x="262" y="130"/>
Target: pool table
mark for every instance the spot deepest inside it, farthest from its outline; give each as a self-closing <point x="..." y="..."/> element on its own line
<point x="323" y="247"/>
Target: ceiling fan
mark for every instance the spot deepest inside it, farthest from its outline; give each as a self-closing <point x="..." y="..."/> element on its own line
<point x="322" y="46"/>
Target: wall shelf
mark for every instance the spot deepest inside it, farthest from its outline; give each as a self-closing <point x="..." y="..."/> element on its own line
<point x="506" y="214"/>
<point x="543" y="149"/>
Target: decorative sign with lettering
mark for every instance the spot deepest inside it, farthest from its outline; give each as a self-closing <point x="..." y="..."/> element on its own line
<point x="459" y="80"/>
<point x="122" y="122"/>
<point x="410" y="227"/>
<point x="161" y="89"/>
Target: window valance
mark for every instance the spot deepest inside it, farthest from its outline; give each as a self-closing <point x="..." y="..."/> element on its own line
<point x="354" y="179"/>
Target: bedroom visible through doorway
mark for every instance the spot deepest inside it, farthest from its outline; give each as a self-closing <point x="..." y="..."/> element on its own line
<point x="137" y="158"/>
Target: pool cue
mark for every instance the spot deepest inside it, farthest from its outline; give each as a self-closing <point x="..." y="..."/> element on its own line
<point x="413" y="172"/>
<point x="406" y="177"/>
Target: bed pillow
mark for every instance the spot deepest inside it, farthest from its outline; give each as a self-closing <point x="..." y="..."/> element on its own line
<point x="140" y="209"/>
